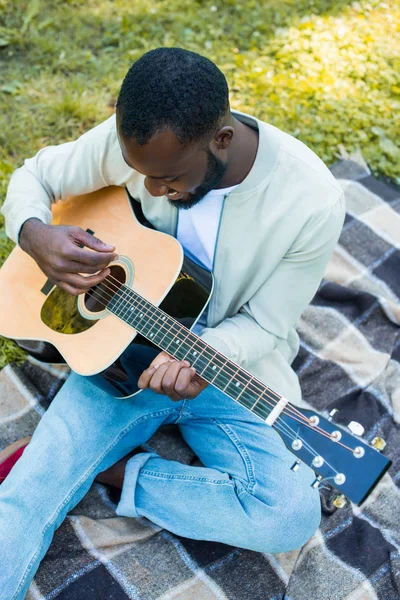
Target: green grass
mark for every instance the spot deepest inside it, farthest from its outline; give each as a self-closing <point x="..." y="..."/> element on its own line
<point x="325" y="71"/>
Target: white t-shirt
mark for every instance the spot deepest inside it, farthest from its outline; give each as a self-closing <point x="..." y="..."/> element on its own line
<point x="197" y="232"/>
<point x="198" y="226"/>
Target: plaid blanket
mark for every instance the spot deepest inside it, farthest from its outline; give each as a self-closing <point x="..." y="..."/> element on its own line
<point x="350" y="360"/>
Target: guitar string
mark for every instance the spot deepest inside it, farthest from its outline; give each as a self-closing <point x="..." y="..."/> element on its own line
<point x="287" y="409"/>
<point x="283" y="427"/>
<point x="260" y="390"/>
<point x="145" y="309"/>
<point x="311" y="450"/>
<point x="303" y="419"/>
<point x="272" y="405"/>
<point x="235" y="372"/>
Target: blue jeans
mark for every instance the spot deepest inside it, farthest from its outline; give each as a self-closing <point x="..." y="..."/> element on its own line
<point x="245" y="495"/>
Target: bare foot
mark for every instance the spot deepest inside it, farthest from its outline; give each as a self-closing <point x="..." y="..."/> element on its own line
<point x="115" y="474"/>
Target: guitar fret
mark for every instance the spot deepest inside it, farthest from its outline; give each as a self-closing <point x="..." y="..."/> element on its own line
<point x="215" y="371"/>
<point x="201" y="363"/>
<point x="174" y="341"/>
<point x="232" y="381"/>
<point x="243" y="390"/>
<point x="164" y="333"/>
<point x="181" y="350"/>
<point x="196" y="356"/>
<point x="255" y="403"/>
<point x="199" y="358"/>
<point x="146" y="328"/>
<point x="118" y="301"/>
<point x="225" y="382"/>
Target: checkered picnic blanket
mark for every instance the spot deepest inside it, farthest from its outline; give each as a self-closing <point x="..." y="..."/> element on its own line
<point x="350" y="360"/>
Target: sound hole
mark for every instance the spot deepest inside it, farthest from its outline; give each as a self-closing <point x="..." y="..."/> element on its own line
<point x="98" y="297"/>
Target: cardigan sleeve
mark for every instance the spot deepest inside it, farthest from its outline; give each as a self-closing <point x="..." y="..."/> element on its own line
<point x="87" y="164"/>
<point x="273" y="311"/>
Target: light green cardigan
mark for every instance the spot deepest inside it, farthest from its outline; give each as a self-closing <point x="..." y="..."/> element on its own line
<point x="277" y="231"/>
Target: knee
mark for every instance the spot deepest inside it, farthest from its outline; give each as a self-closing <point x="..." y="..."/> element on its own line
<point x="284" y="521"/>
<point x="298" y="518"/>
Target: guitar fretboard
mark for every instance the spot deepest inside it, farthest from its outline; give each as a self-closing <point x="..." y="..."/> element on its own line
<point x="181" y="343"/>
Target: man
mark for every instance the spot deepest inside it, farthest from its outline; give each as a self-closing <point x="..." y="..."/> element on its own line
<point x="264" y="213"/>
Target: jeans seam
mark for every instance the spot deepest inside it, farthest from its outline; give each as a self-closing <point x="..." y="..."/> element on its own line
<point x="81" y="481"/>
<point x="240" y="447"/>
<point x="184" y="477"/>
<point x="183" y="412"/>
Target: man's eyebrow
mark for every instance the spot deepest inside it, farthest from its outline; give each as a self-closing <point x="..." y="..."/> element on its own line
<point x="166" y="177"/>
<point x="158" y="177"/>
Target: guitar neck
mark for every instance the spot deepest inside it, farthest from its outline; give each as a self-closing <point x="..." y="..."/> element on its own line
<point x="181" y="343"/>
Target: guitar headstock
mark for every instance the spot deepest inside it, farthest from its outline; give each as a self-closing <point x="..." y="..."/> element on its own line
<point x="337" y="456"/>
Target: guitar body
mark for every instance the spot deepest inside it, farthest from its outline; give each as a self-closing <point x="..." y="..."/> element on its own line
<point x="55" y="327"/>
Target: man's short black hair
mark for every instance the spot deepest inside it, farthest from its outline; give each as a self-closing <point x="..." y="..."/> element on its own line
<point x="172" y="88"/>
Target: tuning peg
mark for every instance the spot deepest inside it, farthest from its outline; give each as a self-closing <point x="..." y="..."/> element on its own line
<point x="333" y="413"/>
<point x="340" y="501"/>
<point x="356" y="428"/>
<point x="378" y="443"/>
<point x="316" y="482"/>
<point x="295" y="466"/>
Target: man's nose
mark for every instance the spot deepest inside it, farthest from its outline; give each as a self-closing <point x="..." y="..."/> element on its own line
<point x="155" y="188"/>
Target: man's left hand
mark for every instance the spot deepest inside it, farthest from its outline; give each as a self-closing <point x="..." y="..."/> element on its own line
<point x="173" y="378"/>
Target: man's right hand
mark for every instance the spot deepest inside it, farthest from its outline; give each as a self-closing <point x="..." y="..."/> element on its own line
<point x="57" y="251"/>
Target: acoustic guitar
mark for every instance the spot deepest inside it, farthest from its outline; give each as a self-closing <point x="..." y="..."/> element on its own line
<point x="149" y="302"/>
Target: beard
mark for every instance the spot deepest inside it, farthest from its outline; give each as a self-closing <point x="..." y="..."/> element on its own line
<point x="215" y="171"/>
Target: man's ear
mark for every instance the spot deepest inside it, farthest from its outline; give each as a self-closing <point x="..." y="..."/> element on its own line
<point x="223" y="137"/>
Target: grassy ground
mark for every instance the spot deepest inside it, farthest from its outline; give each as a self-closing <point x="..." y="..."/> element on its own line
<point x="325" y="71"/>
